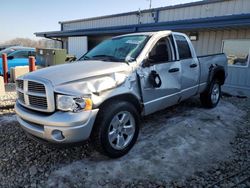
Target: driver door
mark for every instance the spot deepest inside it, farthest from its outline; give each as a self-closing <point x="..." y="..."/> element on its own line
<point x="161" y="80"/>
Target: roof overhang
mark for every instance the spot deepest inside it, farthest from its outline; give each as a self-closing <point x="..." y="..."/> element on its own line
<point x="231" y="21"/>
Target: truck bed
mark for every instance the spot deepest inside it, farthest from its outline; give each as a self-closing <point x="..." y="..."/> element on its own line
<point x="207" y="60"/>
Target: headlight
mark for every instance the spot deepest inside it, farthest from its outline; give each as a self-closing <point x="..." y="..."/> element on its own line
<point x="74" y="104"/>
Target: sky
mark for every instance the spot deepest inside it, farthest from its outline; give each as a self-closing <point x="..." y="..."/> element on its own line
<point x="22" y="18"/>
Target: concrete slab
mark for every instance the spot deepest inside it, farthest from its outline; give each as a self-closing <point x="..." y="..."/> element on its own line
<point x="18" y="71"/>
<point x="2" y="88"/>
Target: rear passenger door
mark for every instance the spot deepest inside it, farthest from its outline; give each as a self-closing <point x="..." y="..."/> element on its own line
<point x="189" y="66"/>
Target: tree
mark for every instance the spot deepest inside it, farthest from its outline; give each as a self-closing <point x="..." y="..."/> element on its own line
<point x="42" y="43"/>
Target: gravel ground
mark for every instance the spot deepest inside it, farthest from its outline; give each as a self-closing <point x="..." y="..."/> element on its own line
<point x="234" y="172"/>
<point x="25" y="163"/>
<point x="8" y="100"/>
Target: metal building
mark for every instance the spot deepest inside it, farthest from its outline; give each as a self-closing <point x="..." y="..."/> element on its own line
<point x="214" y="26"/>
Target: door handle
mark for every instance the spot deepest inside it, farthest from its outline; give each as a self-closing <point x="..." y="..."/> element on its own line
<point x="173" y="70"/>
<point x="193" y="65"/>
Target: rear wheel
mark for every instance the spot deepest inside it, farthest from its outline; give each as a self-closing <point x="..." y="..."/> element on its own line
<point x="211" y="97"/>
<point x="116" y="129"/>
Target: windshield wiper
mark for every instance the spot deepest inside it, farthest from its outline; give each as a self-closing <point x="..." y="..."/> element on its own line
<point x="104" y="57"/>
<point x="85" y="58"/>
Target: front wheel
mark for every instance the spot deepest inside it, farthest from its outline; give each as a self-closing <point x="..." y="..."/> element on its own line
<point x="116" y="129"/>
<point x="211" y="97"/>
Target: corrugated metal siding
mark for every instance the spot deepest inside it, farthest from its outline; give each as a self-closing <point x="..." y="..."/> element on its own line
<point x="208" y="10"/>
<point x="77" y="46"/>
<point x="210" y="41"/>
<point x="222" y="8"/>
<point x="147" y="18"/>
<point x="238" y="81"/>
<point x="105" y="22"/>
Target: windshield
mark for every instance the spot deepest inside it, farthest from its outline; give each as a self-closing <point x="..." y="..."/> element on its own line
<point x="124" y="48"/>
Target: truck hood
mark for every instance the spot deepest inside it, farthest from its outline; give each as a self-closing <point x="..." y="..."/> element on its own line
<point x="78" y="71"/>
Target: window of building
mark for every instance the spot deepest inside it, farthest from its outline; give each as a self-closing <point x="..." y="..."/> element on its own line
<point x="183" y="47"/>
<point x="237" y="52"/>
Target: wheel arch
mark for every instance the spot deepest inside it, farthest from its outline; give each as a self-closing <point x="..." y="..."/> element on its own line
<point x="125" y="97"/>
<point x="217" y="72"/>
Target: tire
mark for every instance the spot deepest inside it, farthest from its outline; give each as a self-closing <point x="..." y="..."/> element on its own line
<point x="211" y="97"/>
<point x="116" y="128"/>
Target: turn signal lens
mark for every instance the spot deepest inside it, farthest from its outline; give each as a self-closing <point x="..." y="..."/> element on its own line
<point x="88" y="104"/>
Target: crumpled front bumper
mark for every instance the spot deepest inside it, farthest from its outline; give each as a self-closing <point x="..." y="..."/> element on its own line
<point x="59" y="127"/>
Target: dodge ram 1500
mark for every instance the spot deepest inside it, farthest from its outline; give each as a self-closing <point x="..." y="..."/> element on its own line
<point x="105" y="93"/>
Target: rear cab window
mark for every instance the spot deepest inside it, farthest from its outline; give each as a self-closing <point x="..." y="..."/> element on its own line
<point x="183" y="47"/>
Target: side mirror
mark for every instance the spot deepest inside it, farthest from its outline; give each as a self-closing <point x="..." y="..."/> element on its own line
<point x="146" y="63"/>
<point x="10" y="57"/>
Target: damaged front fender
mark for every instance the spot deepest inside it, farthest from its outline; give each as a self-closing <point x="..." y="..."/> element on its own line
<point x="94" y="85"/>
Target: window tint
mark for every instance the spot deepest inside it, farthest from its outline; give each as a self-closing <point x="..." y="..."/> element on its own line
<point x="161" y="51"/>
<point x="183" y="47"/>
<point x="21" y="54"/>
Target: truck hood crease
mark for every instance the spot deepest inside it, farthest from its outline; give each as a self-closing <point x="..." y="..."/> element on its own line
<point x="81" y="70"/>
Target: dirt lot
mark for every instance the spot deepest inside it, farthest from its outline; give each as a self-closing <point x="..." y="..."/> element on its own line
<point x="183" y="146"/>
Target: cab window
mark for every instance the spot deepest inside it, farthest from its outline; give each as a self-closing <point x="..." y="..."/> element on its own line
<point x="183" y="47"/>
<point x="161" y="52"/>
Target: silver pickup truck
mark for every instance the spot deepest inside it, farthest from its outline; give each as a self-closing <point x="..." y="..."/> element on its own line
<point x="104" y="95"/>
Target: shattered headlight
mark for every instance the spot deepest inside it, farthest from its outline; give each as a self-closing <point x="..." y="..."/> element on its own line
<point x="72" y="103"/>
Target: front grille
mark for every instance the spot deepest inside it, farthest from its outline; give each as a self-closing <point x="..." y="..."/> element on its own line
<point x="38" y="102"/>
<point x="34" y="95"/>
<point x="20" y="97"/>
<point x="36" y="87"/>
<point x="19" y="84"/>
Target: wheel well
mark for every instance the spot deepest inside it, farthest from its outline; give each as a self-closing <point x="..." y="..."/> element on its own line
<point x="125" y="97"/>
<point x="220" y="76"/>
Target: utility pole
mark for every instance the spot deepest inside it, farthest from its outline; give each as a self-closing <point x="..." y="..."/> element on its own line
<point x="150" y="4"/>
